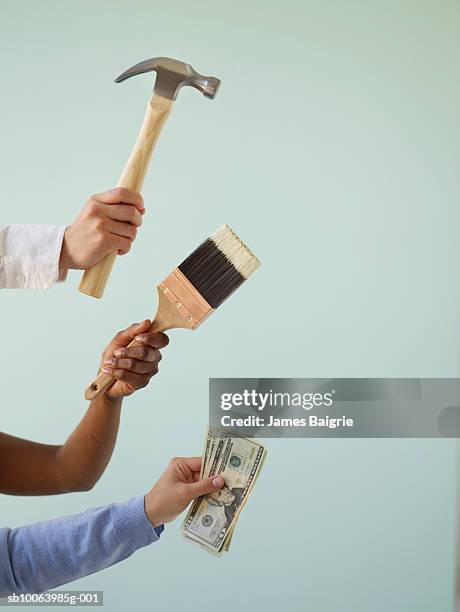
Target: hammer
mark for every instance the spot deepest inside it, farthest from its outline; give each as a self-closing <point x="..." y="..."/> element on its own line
<point x="171" y="76"/>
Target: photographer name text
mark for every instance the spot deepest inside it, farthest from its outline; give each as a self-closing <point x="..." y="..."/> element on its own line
<point x="312" y="420"/>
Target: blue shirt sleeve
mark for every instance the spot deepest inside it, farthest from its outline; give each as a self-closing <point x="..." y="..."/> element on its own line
<point x="39" y="557"/>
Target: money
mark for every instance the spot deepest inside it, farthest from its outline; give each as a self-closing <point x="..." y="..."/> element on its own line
<point x="211" y="519"/>
<point x="230" y="533"/>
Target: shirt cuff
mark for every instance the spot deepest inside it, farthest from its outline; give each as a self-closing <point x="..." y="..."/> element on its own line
<point x="131" y="525"/>
<point x="29" y="256"/>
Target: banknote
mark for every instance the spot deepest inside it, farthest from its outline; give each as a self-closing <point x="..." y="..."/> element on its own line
<point x="229" y="537"/>
<point x="208" y="441"/>
<point x="239" y="461"/>
<point x="211" y="519"/>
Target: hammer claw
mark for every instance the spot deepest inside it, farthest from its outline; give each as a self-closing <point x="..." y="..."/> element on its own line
<point x="172" y="75"/>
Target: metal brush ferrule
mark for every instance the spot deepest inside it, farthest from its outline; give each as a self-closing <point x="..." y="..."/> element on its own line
<point x="188" y="300"/>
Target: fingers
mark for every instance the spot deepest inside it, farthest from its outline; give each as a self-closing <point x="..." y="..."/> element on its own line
<point x="114" y="242"/>
<point x="135" y="365"/>
<point x="125" y="336"/>
<point x="142" y="353"/>
<point x="131" y="365"/>
<point x="126" y="230"/>
<point x="156" y="340"/>
<point x="194" y="463"/>
<point x="188" y="468"/>
<point x="139" y="359"/>
<point x="123" y="213"/>
<point x="108" y="222"/>
<point x="121" y="195"/>
<point x="136" y="381"/>
<point x="121" y="222"/>
<point x="205" y="486"/>
<point x="145" y="350"/>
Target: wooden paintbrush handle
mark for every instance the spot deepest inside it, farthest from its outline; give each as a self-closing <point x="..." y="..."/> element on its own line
<point x="104" y="381"/>
<point x="95" y="279"/>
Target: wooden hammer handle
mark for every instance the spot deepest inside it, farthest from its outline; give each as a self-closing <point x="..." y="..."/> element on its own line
<point x="104" y="381"/>
<point x="95" y="279"/>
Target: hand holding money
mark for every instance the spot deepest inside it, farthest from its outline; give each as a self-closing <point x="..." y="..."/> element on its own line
<point x="179" y="484"/>
<point x="212" y="517"/>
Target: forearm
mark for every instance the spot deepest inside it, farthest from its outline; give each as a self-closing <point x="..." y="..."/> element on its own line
<point x="43" y="556"/>
<point x="30" y="468"/>
<point x="81" y="461"/>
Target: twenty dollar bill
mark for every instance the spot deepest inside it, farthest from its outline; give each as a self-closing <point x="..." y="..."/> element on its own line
<point x="211" y="519"/>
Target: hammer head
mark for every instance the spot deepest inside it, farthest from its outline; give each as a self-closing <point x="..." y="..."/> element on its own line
<point x="171" y="76"/>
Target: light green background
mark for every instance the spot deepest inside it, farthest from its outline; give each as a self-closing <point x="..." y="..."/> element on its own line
<point x="332" y="148"/>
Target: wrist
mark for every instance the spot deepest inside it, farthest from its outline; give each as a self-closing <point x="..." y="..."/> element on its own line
<point x="152" y="512"/>
<point x="113" y="403"/>
<point x="65" y="259"/>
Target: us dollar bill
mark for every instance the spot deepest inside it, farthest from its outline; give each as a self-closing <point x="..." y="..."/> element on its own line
<point x="211" y="438"/>
<point x="229" y="537"/>
<point x="211" y="519"/>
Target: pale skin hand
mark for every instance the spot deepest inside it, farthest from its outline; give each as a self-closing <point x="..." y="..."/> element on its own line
<point x="178" y="485"/>
<point x="108" y="222"/>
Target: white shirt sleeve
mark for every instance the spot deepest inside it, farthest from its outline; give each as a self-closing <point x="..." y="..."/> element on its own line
<point x="29" y="256"/>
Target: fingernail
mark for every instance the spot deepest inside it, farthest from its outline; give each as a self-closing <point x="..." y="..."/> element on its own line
<point x="110" y="362"/>
<point x="119" y="352"/>
<point x="139" y="338"/>
<point x="217" y="482"/>
<point x="107" y="370"/>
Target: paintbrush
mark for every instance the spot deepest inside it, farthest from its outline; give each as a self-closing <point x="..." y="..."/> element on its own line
<point x="196" y="288"/>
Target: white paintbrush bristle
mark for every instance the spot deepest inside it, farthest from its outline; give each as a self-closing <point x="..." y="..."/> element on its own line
<point x="234" y="249"/>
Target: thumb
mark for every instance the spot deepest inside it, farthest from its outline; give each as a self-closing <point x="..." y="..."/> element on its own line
<point x="126" y="336"/>
<point x="205" y="486"/>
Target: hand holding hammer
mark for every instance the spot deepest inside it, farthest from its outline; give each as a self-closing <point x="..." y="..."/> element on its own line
<point x="171" y="76"/>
